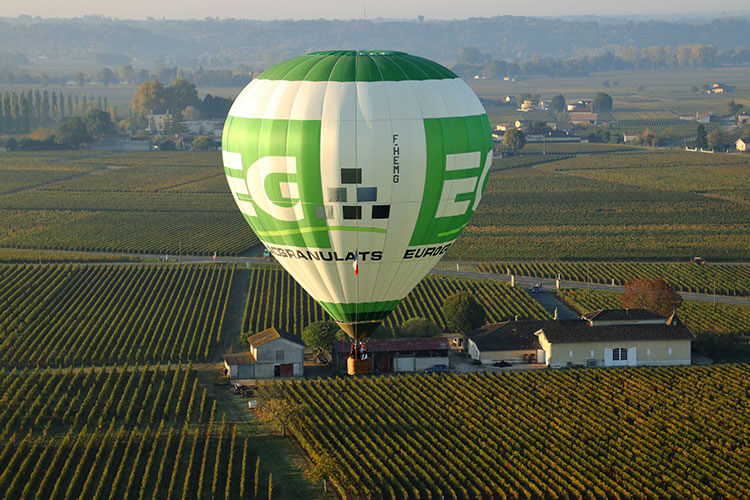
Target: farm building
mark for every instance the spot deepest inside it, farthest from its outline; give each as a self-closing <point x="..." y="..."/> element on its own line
<point x="273" y="353"/>
<point x="583" y="117"/>
<point x="740" y="145"/>
<point x="398" y="355"/>
<point x="512" y="341"/>
<point x="616" y="337"/>
<point x="608" y="337"/>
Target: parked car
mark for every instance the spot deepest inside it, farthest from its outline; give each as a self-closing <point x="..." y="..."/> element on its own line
<point x="438" y="369"/>
<point x="536" y="288"/>
<point x="501" y="364"/>
<point x="697" y="260"/>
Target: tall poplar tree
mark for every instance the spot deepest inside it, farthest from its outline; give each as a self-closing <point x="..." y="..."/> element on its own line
<point x="45" y="107"/>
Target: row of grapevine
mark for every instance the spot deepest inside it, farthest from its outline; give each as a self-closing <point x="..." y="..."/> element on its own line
<point x="190" y="233"/>
<point x="724" y="279"/>
<point x="132" y="432"/>
<point x="700" y="317"/>
<point x="62" y="315"/>
<point x="535" y="434"/>
<point x="275" y="299"/>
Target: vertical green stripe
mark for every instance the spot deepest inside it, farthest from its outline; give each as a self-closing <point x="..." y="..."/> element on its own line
<point x="446" y="136"/>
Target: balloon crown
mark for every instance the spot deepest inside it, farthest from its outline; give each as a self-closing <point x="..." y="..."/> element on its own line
<point x="358" y="53"/>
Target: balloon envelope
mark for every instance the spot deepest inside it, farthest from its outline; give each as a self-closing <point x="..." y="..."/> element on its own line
<point x="357" y="170"/>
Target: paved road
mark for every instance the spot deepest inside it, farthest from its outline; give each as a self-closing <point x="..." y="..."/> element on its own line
<point x="519" y="280"/>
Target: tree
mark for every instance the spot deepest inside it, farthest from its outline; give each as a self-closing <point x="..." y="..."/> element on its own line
<point x="514" y="140"/>
<point x="471" y="55"/>
<point x="191" y="113"/>
<point x="174" y="125"/>
<point x="147" y="96"/>
<point x="12" y="144"/>
<point x="80" y="79"/>
<point x="734" y="108"/>
<point x="716" y="139"/>
<point x="276" y="409"/>
<point x="701" y="139"/>
<point x="107" y="76"/>
<point x="602" y="103"/>
<point x="204" y="143"/>
<point x="98" y="123"/>
<point x="558" y="103"/>
<point x="127" y="74"/>
<point x="72" y="133"/>
<point x="323" y="468"/>
<point x="320" y="334"/>
<point x="419" y="327"/>
<point x="181" y="94"/>
<point x="652" y="294"/>
<point x="462" y="312"/>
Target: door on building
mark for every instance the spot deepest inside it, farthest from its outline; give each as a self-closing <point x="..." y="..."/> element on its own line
<point x="284" y="370"/>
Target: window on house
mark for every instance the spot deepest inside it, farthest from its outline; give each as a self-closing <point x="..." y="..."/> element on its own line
<point x="279" y="355"/>
<point x="619" y="354"/>
<point x="670" y="351"/>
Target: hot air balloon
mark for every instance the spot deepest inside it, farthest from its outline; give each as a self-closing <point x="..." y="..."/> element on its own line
<point x="357" y="170"/>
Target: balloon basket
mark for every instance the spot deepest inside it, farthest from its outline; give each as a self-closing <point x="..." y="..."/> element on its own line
<point x="358" y="366"/>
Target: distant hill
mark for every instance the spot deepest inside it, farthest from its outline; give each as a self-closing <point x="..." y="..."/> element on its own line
<point x="507" y="37"/>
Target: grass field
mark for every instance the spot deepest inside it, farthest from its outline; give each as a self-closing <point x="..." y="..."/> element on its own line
<point x="275" y="299"/>
<point x="615" y="433"/>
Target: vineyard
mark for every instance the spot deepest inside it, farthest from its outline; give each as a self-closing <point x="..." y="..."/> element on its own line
<point x="275" y="299"/>
<point x="700" y="317"/>
<point x="63" y="315"/>
<point x="612" y="433"/>
<point x="575" y="148"/>
<point x="126" y="202"/>
<point x="132" y="432"/>
<point x="17" y="256"/>
<point x="724" y="279"/>
<point x="541" y="213"/>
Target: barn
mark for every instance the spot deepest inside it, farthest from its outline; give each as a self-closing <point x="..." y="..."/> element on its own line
<point x="273" y="353"/>
<point x="398" y="355"/>
<point x="511" y="341"/>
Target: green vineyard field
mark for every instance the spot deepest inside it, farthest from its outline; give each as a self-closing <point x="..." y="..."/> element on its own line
<point x="126" y="202"/>
<point x="125" y="433"/>
<point x="615" y="207"/>
<point x="725" y="279"/>
<point x="275" y="299"/>
<point x="63" y="315"/>
<point x="672" y="432"/>
<point x="700" y="317"/>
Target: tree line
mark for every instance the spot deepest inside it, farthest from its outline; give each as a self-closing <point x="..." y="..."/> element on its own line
<point x="26" y="110"/>
<point x="470" y="61"/>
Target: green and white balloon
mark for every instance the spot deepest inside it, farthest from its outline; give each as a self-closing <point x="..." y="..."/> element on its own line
<point x="376" y="156"/>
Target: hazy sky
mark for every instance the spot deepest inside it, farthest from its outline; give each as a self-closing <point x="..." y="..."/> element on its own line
<point x="348" y="9"/>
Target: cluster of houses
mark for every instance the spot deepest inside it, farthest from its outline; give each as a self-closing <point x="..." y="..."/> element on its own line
<point x="603" y="338"/>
